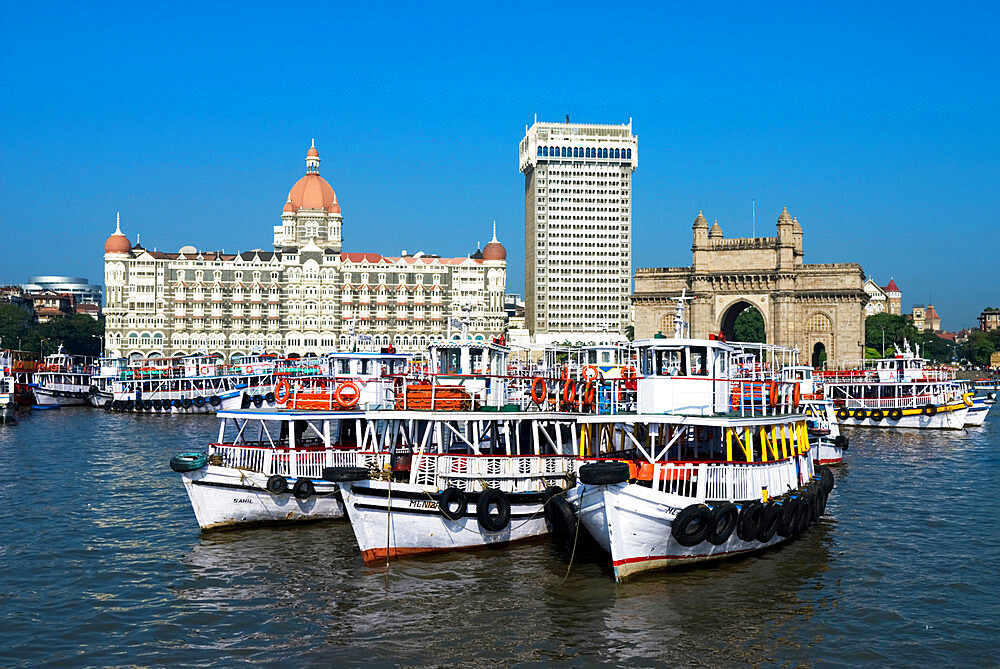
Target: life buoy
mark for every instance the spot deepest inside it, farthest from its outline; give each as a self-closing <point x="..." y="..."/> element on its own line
<point x="539" y="391"/>
<point x="796" y="395"/>
<point x="205" y="370"/>
<point x="565" y="374"/>
<point x="493" y="510"/>
<point x="281" y="391"/>
<point x="249" y="369"/>
<point x="345" y="400"/>
<point x="588" y="394"/>
<point x="569" y="392"/>
<point x="628" y="377"/>
<point x="590" y="372"/>
<point x="773" y="394"/>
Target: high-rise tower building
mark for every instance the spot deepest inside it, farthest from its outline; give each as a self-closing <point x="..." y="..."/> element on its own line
<point x="577" y="227"/>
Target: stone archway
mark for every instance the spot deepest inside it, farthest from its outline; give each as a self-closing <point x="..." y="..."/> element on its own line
<point x="728" y="322"/>
<point x="819" y="355"/>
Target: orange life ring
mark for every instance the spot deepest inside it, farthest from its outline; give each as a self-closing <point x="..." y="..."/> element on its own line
<point x="773" y="394"/>
<point x="538" y="396"/>
<point x="569" y="390"/>
<point x="590" y="372"/>
<point x="797" y="395"/>
<point x="347" y="402"/>
<point x="565" y="374"/>
<point x="281" y="391"/>
<point x="588" y="394"/>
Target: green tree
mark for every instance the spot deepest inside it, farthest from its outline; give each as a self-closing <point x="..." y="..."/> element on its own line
<point x="749" y="326"/>
<point x="15" y="323"/>
<point x="977" y="349"/>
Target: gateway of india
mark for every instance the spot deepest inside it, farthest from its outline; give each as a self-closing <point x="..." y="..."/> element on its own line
<point x="304" y="297"/>
<point x="817" y="308"/>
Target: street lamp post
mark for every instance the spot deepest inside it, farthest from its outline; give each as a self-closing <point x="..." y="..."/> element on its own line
<point x="101" y="337"/>
<point x="882" y="328"/>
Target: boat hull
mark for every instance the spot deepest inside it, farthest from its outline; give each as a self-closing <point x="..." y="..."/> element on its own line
<point x="227" y="498"/>
<point x="62" y="398"/>
<point x="825" y="452"/>
<point x="404" y="519"/>
<point x="229" y="401"/>
<point x="953" y="419"/>
<point x="633" y="523"/>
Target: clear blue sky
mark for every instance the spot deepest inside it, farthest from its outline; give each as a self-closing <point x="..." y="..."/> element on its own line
<point x="877" y="125"/>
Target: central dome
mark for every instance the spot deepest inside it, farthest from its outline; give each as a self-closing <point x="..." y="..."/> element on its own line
<point x="312" y="191"/>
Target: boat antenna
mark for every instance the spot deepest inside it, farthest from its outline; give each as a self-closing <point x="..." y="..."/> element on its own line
<point x="681" y="327"/>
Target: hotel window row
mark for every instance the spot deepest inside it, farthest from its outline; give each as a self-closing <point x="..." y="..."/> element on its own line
<point x="583" y="152"/>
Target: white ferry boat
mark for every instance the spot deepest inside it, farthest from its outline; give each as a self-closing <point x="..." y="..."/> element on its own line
<point x="8" y="403"/>
<point x="62" y="380"/>
<point x="982" y="402"/>
<point x="483" y="469"/>
<point x="897" y="392"/>
<point x="267" y="466"/>
<point x="714" y="464"/>
<point x="185" y="384"/>
<point x="828" y="444"/>
<point x="22" y="365"/>
<point x="105" y="372"/>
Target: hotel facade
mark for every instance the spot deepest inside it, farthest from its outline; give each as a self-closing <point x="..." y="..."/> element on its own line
<point x="304" y="297"/>
<point x="578" y="228"/>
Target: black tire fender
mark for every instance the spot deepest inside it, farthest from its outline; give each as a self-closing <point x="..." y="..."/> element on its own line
<point x="842" y="414"/>
<point x="214" y="400"/>
<point x="453" y="497"/>
<point x="725" y="517"/>
<point x="840" y="441"/>
<point x="749" y="523"/>
<point x="692" y="525"/>
<point x="488" y="519"/>
<point x="604" y="473"/>
<point x="186" y="403"/>
<point x="199" y="401"/>
<point x="929" y="410"/>
<point x="559" y="512"/>
<point x="269" y="398"/>
<point x="768" y="522"/>
<point x="337" y="474"/>
<point x="895" y="414"/>
<point x="825" y="476"/>
<point x="257" y="400"/>
<point x="878" y="415"/>
<point x="277" y="485"/>
<point x="808" y="511"/>
<point x="303" y="489"/>
<point x="790" y="512"/>
<point x="859" y="414"/>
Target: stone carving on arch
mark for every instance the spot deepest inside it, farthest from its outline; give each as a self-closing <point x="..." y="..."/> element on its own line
<point x="819" y="321"/>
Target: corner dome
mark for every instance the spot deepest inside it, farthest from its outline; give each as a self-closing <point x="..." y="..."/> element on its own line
<point x="700" y="221"/>
<point x="494" y="250"/>
<point x="117" y="242"/>
<point x="716" y="230"/>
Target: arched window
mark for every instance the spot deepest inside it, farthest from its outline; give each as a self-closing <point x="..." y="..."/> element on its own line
<point x="618" y="153"/>
<point x="629" y="152"/>
<point x="539" y="150"/>
<point x="544" y="151"/>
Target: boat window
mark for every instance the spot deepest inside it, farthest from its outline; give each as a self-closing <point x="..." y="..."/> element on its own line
<point x="699" y="365"/>
<point x="343" y="367"/>
<point x="365" y="366"/>
<point x="605" y="356"/>
<point x="476" y="358"/>
<point x="449" y="361"/>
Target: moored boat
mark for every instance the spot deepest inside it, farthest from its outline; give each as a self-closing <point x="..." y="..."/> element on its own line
<point x="267" y="467"/>
<point x="715" y="463"/>
<point x="62" y="380"/>
<point x="185" y="384"/>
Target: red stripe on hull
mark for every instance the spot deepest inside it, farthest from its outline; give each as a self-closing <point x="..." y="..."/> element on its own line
<point x="830" y="461"/>
<point x="703" y="556"/>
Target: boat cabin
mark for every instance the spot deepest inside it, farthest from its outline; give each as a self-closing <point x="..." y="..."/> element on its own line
<point x="683" y="376"/>
<point x="479" y="367"/>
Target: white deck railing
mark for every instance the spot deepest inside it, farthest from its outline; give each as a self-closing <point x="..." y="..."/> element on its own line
<point x="730" y="481"/>
<point x="473" y="473"/>
<point x="295" y="463"/>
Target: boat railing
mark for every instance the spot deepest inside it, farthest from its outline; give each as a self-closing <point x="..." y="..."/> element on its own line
<point x="304" y="462"/>
<point x="728" y="481"/>
<point x="474" y="473"/>
<point x="907" y="402"/>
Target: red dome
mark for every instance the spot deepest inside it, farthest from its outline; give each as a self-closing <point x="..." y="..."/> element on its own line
<point x="494" y="251"/>
<point x="117" y="242"/>
<point x="288" y="206"/>
<point x="312" y="153"/>
<point x="312" y="192"/>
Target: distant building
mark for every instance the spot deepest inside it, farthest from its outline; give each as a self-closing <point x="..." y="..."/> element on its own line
<point x="962" y="336"/>
<point x="578" y="229"/>
<point x="926" y="319"/>
<point x="883" y="300"/>
<point x="306" y="297"/>
<point x="48" y="304"/>
<point x="14" y="295"/>
<point x="81" y="289"/>
<point x="989" y="319"/>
